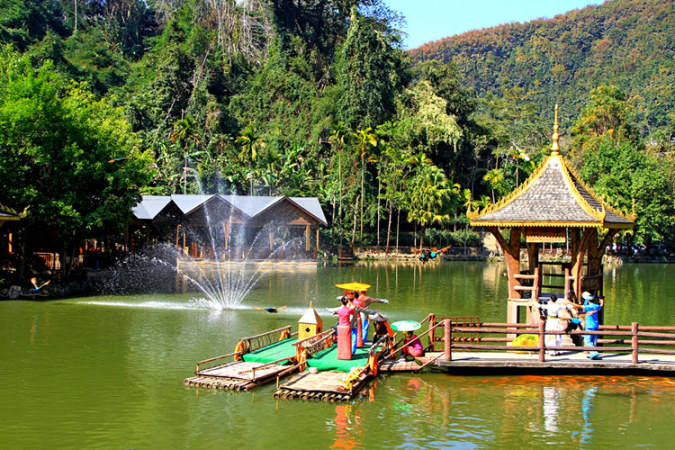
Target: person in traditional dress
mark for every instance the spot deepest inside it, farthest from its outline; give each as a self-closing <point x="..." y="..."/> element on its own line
<point x="414" y="345"/>
<point x="363" y="301"/>
<point x="556" y="320"/>
<point x="348" y="314"/>
<point x="592" y="305"/>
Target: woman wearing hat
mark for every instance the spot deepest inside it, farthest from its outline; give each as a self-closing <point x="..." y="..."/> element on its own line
<point x="590" y="308"/>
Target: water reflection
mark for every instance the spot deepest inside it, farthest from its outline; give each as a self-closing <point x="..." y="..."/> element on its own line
<point x="73" y="362"/>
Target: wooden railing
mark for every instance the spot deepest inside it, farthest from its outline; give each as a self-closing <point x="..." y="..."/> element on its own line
<point x="630" y="339"/>
<point x="436" y="342"/>
<point x="253" y="343"/>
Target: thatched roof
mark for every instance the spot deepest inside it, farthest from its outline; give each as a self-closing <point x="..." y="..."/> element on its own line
<point x="553" y="196"/>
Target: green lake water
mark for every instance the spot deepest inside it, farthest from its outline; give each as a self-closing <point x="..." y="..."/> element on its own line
<point x="108" y="371"/>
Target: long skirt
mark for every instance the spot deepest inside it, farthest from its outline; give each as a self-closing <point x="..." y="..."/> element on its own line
<point x="553" y="340"/>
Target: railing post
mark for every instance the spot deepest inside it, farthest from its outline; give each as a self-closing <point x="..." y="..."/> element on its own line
<point x="542" y="345"/>
<point x="448" y="339"/>
<point x="634" y="331"/>
<point x="432" y="334"/>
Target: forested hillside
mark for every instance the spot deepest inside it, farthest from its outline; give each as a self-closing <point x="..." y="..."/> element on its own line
<point x="110" y="99"/>
<point x="626" y="43"/>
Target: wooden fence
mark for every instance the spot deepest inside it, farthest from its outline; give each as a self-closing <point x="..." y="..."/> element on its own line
<point x="633" y="339"/>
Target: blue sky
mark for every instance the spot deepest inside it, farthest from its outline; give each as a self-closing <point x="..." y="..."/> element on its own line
<point x="431" y="20"/>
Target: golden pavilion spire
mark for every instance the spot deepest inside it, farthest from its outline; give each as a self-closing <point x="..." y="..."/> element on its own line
<point x="555" y="147"/>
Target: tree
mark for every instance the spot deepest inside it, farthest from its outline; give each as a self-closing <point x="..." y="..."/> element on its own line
<point x="615" y="163"/>
<point x="68" y="156"/>
<point x="364" y="140"/>
<point x="431" y="198"/>
<point x="370" y="73"/>
<point x="251" y="144"/>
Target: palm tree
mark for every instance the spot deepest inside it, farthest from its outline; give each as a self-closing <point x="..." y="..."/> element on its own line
<point x="431" y="198"/>
<point x="251" y="144"/>
<point x="187" y="140"/>
<point x="365" y="139"/>
<point x="495" y="177"/>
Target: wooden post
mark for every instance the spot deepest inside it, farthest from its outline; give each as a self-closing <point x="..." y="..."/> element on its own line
<point x="432" y="333"/>
<point x="511" y="251"/>
<point x="448" y="339"/>
<point x="316" y="251"/>
<point x="271" y="236"/>
<point x="307" y="234"/>
<point x="542" y="342"/>
<point x="634" y="331"/>
<point x="226" y="231"/>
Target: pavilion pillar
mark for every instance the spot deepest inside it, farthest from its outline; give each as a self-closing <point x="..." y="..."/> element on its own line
<point x="307" y="236"/>
<point x="580" y="245"/>
<point x="512" y="256"/>
<point x="271" y="237"/>
<point x="533" y="256"/>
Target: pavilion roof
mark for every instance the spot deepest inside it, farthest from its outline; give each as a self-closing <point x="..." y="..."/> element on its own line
<point x="10" y="214"/>
<point x="553" y="196"/>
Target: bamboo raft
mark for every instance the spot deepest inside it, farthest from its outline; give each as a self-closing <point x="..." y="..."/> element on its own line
<point x="321" y="386"/>
<point x="242" y="375"/>
<point x="236" y="375"/>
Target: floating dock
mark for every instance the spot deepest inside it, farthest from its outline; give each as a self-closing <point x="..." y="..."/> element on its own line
<point x="454" y="346"/>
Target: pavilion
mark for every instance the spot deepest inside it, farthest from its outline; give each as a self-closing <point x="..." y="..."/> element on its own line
<point x="183" y="219"/>
<point x="552" y="205"/>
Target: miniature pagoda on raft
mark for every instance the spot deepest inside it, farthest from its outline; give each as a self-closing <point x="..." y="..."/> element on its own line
<point x="552" y="205"/>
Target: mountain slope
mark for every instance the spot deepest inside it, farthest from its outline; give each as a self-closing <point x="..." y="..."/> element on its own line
<point x="628" y="43"/>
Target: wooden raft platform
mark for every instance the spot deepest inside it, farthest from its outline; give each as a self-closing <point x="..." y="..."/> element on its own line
<point x="236" y="375"/>
<point x="491" y="362"/>
<point x="323" y="386"/>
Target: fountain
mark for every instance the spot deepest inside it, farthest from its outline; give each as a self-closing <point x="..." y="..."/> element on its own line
<point x="227" y="259"/>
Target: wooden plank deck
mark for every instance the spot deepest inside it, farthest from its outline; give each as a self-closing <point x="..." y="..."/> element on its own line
<point x="324" y="386"/>
<point x="568" y="362"/>
<point x="236" y="375"/>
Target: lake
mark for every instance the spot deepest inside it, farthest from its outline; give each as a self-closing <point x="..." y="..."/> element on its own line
<point x="108" y="371"/>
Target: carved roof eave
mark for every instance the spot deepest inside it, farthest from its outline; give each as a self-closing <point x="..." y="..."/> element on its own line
<point x="12" y="214"/>
<point x="568" y="172"/>
<point x="544" y="224"/>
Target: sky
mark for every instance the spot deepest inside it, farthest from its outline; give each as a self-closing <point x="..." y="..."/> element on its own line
<point x="431" y="20"/>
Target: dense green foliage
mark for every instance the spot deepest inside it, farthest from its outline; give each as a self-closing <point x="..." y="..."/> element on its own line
<point x="299" y="97"/>
<point x="626" y="43"/>
<point x="68" y="157"/>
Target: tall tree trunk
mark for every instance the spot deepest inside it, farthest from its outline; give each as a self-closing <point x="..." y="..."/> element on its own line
<point x="362" y="197"/>
<point x="356" y="212"/>
<point x="340" y="199"/>
<point x="386" y="249"/>
<point x="398" y="224"/>
<point x="379" y="187"/>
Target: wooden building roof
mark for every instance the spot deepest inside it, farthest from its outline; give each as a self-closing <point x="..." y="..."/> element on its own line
<point x="307" y="210"/>
<point x="553" y="196"/>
